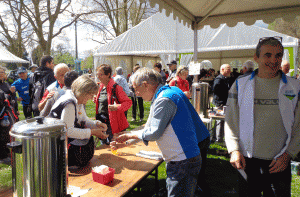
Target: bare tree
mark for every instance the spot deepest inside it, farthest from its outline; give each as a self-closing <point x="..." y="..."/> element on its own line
<point x="118" y="17"/>
<point x="13" y="27"/>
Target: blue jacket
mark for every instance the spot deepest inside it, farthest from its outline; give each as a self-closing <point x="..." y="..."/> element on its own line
<point x="22" y="86"/>
<point x="174" y="124"/>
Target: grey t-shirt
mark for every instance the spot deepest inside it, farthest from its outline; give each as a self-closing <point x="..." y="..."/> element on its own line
<point x="269" y="133"/>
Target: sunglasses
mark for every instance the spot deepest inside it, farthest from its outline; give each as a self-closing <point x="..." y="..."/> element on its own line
<point x="270" y="38"/>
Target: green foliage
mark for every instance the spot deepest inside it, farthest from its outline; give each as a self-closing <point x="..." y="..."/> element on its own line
<point x="88" y="62"/>
<point x="62" y="58"/>
<point x="62" y="55"/>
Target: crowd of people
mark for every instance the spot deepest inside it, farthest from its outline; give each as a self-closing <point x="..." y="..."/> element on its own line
<point x="261" y="127"/>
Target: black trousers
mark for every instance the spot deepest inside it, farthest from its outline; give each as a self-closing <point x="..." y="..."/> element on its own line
<point x="136" y="100"/>
<point x="204" y="146"/>
<point x="27" y="111"/>
<point x="260" y="180"/>
<point x="104" y="118"/>
<point x="81" y="155"/>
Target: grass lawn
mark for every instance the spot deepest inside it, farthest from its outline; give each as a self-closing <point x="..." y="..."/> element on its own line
<point x="222" y="178"/>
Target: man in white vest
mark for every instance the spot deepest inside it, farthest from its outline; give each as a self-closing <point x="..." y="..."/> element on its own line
<point x="262" y="123"/>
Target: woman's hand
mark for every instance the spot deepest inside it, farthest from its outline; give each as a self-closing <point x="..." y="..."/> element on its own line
<point x="113" y="107"/>
<point x="102" y="126"/>
<point x="99" y="133"/>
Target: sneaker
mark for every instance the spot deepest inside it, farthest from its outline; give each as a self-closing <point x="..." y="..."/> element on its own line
<point x="133" y="119"/>
<point x="141" y="120"/>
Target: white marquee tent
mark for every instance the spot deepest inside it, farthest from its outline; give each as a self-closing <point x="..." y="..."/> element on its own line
<point x="8" y="57"/>
<point x="162" y="35"/>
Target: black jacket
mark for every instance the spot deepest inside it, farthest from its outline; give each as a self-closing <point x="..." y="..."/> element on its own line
<point x="5" y="87"/>
<point x="220" y="90"/>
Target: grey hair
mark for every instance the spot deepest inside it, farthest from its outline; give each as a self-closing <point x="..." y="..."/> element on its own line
<point x="59" y="66"/>
<point x="84" y="85"/>
<point x="224" y="65"/>
<point x="119" y="70"/>
<point x="148" y="75"/>
<point x="249" y="65"/>
<point x="182" y="69"/>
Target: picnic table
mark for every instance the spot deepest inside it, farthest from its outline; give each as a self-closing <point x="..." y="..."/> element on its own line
<point x="130" y="170"/>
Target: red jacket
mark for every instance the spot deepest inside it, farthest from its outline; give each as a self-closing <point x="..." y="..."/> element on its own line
<point x="181" y="84"/>
<point x="117" y="118"/>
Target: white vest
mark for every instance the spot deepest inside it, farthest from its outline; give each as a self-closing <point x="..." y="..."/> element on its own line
<point x="288" y="97"/>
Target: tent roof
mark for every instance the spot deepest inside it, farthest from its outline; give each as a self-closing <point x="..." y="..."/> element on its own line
<point x="161" y="34"/>
<point x="217" y="12"/>
<point x="8" y="57"/>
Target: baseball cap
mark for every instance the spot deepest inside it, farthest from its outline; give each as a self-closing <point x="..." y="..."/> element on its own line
<point x="172" y="62"/>
<point x="21" y="70"/>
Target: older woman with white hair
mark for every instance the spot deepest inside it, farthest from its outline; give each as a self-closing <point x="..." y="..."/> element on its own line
<point x="59" y="73"/>
<point x="80" y="129"/>
<point x="180" y="80"/>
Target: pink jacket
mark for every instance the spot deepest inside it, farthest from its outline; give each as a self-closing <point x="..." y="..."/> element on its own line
<point x="117" y="118"/>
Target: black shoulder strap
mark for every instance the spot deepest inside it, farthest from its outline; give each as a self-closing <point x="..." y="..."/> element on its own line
<point x="176" y="83"/>
<point x="56" y="113"/>
<point x="114" y="94"/>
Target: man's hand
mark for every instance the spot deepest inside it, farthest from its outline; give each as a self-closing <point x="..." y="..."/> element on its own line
<point x="19" y="99"/>
<point x="102" y="126"/>
<point x="12" y="89"/>
<point x="237" y="160"/>
<point x="280" y="164"/>
<point x="123" y="138"/>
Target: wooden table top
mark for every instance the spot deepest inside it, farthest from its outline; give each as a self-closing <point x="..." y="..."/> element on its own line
<point x="129" y="169"/>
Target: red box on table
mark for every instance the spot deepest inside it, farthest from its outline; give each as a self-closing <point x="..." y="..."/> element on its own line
<point x="104" y="178"/>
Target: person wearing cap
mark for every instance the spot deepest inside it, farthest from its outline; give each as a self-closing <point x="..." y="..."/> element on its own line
<point x="22" y="87"/>
<point x="32" y="69"/>
<point x="173" y="68"/>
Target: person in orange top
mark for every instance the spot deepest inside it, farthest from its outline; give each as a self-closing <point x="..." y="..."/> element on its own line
<point x="180" y="80"/>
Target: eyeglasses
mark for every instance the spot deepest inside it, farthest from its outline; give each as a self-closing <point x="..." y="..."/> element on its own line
<point x="270" y="38"/>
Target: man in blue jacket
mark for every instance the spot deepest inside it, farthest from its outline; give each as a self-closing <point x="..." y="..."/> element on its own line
<point x="22" y="86"/>
<point x="177" y="129"/>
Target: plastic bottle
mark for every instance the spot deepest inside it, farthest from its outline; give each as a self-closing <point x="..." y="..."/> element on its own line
<point x="5" y="122"/>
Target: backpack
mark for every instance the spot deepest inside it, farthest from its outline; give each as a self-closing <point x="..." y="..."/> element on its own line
<point x="38" y="88"/>
<point x="113" y="94"/>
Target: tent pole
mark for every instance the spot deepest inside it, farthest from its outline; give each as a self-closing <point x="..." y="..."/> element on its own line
<point x="195" y="47"/>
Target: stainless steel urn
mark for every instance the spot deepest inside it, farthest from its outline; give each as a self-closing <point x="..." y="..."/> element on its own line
<point x="200" y="98"/>
<point x="39" y="162"/>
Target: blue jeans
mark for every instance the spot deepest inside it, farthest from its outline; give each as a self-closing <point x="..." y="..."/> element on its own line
<point x="182" y="176"/>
